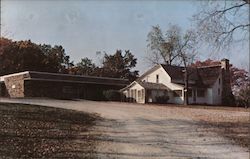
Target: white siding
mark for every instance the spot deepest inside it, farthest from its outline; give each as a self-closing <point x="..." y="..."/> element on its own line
<point x="217" y="97"/>
<point x="165" y="79"/>
<point x="134" y="91"/>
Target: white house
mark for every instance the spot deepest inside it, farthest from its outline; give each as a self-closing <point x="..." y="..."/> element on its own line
<point x="207" y="85"/>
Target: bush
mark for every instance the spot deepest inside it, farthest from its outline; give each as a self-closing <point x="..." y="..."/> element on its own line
<point x="162" y="99"/>
<point x="130" y="99"/>
<point x="112" y="95"/>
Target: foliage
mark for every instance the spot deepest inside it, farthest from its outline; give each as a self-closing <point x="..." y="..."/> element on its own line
<point x="243" y="99"/>
<point x="17" y="56"/>
<point x="85" y="67"/>
<point x="173" y="47"/>
<point x="119" y="65"/>
<point x="220" y="23"/>
<point x="112" y="95"/>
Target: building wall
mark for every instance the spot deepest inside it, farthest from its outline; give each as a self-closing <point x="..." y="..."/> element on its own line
<point x="216" y="97"/>
<point x="15" y="86"/>
<point x="133" y="92"/>
<point x="66" y="90"/>
<point x="165" y="79"/>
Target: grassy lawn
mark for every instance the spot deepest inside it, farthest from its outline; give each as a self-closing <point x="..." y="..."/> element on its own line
<point x="30" y="131"/>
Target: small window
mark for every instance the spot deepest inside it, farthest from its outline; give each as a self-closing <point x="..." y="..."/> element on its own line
<point x="177" y="93"/>
<point x="190" y="93"/>
<point x="218" y="91"/>
<point x="157" y="78"/>
<point x="219" y="80"/>
<point x="200" y="93"/>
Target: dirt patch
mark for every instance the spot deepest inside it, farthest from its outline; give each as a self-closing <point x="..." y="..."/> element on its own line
<point x="29" y="131"/>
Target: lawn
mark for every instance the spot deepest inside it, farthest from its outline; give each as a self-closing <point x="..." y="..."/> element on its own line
<point x="30" y="131"/>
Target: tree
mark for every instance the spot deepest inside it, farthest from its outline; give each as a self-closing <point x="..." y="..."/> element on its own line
<point x="85" y="67"/>
<point x="119" y="65"/>
<point x="173" y="47"/>
<point x="243" y="98"/>
<point x="17" y="56"/>
<point x="222" y="23"/>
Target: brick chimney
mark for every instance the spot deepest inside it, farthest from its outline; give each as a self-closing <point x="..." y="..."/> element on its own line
<point x="227" y="96"/>
<point x="225" y="64"/>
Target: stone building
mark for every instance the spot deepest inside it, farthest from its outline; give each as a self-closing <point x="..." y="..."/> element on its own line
<point x="55" y="85"/>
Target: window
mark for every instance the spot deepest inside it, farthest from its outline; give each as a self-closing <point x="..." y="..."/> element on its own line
<point x="200" y="93"/>
<point x="190" y="93"/>
<point x="157" y="78"/>
<point x="219" y="80"/>
<point x="218" y="91"/>
<point x="177" y="93"/>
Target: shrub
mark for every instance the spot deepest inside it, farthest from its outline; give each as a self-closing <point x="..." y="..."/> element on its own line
<point x="162" y="99"/>
<point x="112" y="95"/>
<point x="130" y="99"/>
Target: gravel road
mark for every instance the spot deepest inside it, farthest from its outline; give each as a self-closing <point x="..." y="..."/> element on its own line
<point x="159" y="132"/>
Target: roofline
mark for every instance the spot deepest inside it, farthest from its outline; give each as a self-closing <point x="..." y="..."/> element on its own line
<point x="149" y="71"/>
<point x="209" y="66"/>
<point x="61" y="74"/>
<point x="13" y="74"/>
<point x="128" y="86"/>
<point x="70" y="81"/>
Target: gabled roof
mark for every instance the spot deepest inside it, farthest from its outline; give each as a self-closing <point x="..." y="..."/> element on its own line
<point x="199" y="76"/>
<point x="209" y="74"/>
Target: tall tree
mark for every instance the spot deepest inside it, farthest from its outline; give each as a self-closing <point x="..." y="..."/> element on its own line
<point x="220" y="23"/>
<point x="173" y="47"/>
<point x="119" y="65"/>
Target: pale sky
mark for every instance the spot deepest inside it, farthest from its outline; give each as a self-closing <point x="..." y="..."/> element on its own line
<point x="85" y="27"/>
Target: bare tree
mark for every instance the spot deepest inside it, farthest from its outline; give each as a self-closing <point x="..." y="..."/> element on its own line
<point x="220" y="23"/>
<point x="173" y="47"/>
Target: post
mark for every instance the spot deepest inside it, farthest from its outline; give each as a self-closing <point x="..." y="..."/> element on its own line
<point x="186" y="86"/>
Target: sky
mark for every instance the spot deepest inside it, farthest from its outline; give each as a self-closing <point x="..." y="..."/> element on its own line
<point x="86" y="27"/>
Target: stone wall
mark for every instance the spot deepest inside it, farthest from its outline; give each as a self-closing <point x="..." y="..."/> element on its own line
<point x="15" y="86"/>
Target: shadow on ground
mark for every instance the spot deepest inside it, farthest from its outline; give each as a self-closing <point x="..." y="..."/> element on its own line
<point x="28" y="131"/>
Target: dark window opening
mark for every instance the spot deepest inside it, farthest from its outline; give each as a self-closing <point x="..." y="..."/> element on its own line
<point x="177" y="93"/>
<point x="157" y="78"/>
<point x="200" y="93"/>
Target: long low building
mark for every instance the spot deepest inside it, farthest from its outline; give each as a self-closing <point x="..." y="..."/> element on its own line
<point x="55" y="85"/>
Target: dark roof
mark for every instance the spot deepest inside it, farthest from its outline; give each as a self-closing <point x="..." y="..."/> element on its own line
<point x="149" y="85"/>
<point x="57" y="77"/>
<point x="199" y="76"/>
<point x="209" y="74"/>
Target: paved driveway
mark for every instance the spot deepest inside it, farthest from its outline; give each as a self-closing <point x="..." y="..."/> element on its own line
<point x="149" y="131"/>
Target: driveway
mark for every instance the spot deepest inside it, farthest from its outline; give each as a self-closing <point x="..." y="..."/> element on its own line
<point x="158" y="132"/>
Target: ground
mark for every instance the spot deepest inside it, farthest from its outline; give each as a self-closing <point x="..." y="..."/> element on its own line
<point x="125" y="130"/>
